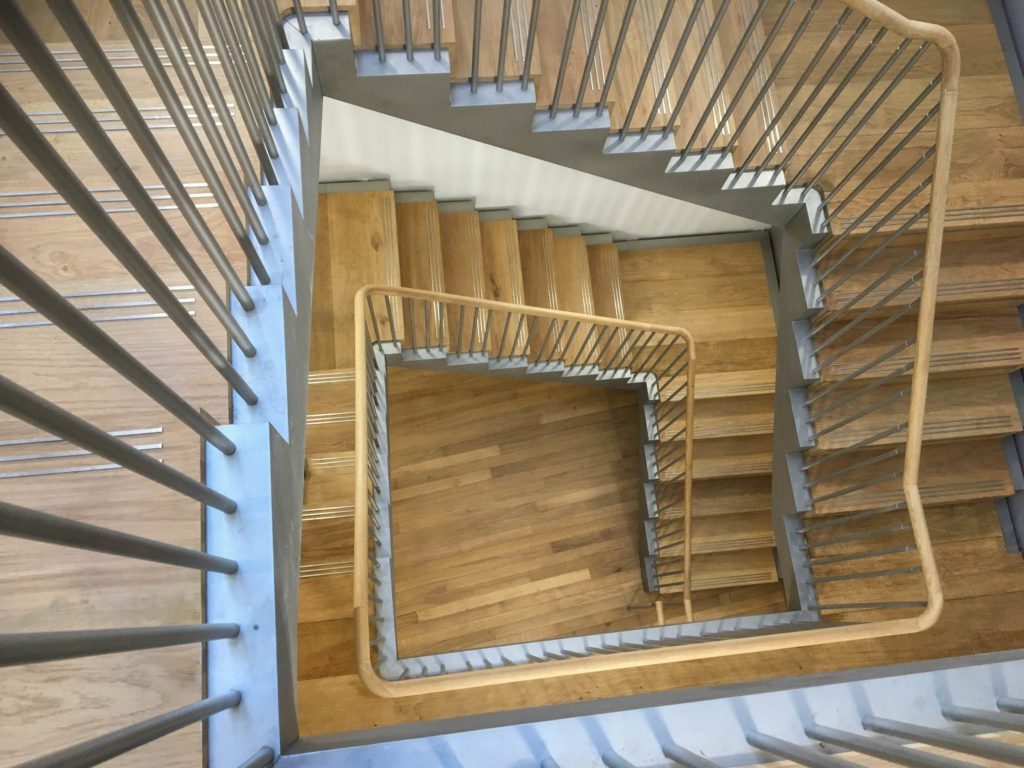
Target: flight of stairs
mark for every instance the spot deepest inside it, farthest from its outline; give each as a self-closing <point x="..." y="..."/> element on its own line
<point x="967" y="455"/>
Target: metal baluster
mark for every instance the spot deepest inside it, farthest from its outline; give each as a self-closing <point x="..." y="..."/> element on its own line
<point x="800" y="755"/>
<point x="563" y="65"/>
<point x="263" y="37"/>
<point x="300" y="16"/>
<point x="45" y="67"/>
<point x="264" y="757"/>
<point x="555" y="345"/>
<point x="154" y="68"/>
<point x="648" y="64"/>
<point x="866" y="575"/>
<point x="34" y="410"/>
<point x="407" y="29"/>
<point x="540" y="352"/>
<point x="531" y="39"/>
<point x="862" y="370"/>
<point x="812" y="67"/>
<point x="957" y="742"/>
<point x="867" y="312"/>
<point x="891" y="477"/>
<point x="110" y="745"/>
<point x="209" y="80"/>
<point x="872" y="534"/>
<point x="752" y="26"/>
<point x="865" y="411"/>
<point x="486" y="332"/>
<point x="776" y="70"/>
<point x="391" y="317"/>
<point x="26" y="136"/>
<point x="93" y="57"/>
<point x="685" y="757"/>
<point x="62" y="313"/>
<point x="245" y="97"/>
<point x="246" y="55"/>
<point x="37" y="647"/>
<point x="868" y="114"/>
<point x="34" y="525"/>
<point x="435" y="20"/>
<point x="332" y="7"/>
<point x="929" y="153"/>
<point x="613" y="64"/>
<point x="597" y="341"/>
<point x="474" y="75"/>
<point x="588" y="66"/>
<point x="677" y="54"/>
<point x="568" y="342"/>
<point x="171" y="45"/>
<point x="584" y="345"/>
<point x="890" y="751"/>
<point x="506" y="12"/>
<point x="378" y="30"/>
<point x="504" y="334"/>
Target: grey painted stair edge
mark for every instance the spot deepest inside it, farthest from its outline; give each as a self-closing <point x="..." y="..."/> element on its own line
<point x="420" y="91"/>
<point x="513" y="654"/>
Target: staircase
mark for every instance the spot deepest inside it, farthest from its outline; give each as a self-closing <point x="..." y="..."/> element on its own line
<point x="787" y="462"/>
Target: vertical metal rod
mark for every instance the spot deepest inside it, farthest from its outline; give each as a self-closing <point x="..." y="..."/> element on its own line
<point x="43" y="64"/>
<point x="670" y="70"/>
<point x="957" y="742"/>
<point x="266" y="13"/>
<point x="652" y="55"/>
<point x="407" y="28"/>
<point x="168" y="94"/>
<point x="92" y="55"/>
<point x="697" y="68"/>
<point x="435" y="21"/>
<point x="504" y="334"/>
<point x="51" y="165"/>
<point x="34" y="410"/>
<point x="531" y="39"/>
<point x="248" y="55"/>
<point x="161" y="22"/>
<point x="506" y="13"/>
<point x="263" y="38"/>
<point x="462" y="317"/>
<point x="209" y="80"/>
<point x="563" y="65"/>
<point x="474" y="74"/>
<point x="110" y="745"/>
<point x="37" y="647"/>
<point x="613" y="64"/>
<point x="62" y="313"/>
<point x="485" y="335"/>
<point x="584" y="345"/>
<point x="378" y="30"/>
<point x="246" y="98"/>
<point x="801" y="755"/>
<point x="332" y="7"/>
<point x="880" y="248"/>
<point x="34" y="525"/>
<point x="300" y="16"/>
<point x="595" y="43"/>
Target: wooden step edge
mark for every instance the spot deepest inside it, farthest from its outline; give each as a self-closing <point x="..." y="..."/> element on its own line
<point x="946" y="430"/>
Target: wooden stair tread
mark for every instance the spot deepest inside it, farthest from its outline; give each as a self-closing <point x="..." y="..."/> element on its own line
<point x="956" y="409"/>
<point x="605" y="280"/>
<point x="356" y="245"/>
<point x="572" y="275"/>
<point x="965" y="470"/>
<point x="503" y="271"/>
<point x="734" y="383"/>
<point x="419" y="246"/>
<point x="726" y="496"/>
<point x="723" y="417"/>
<point x="961" y="344"/>
<point x="462" y="253"/>
<point x="725" y="569"/>
<point x="974" y="270"/>
<point x="535" y="251"/>
<point x="729" y="457"/>
<point x="721" y="533"/>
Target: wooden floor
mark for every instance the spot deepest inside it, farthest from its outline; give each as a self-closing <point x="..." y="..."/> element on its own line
<point x="519" y="525"/>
